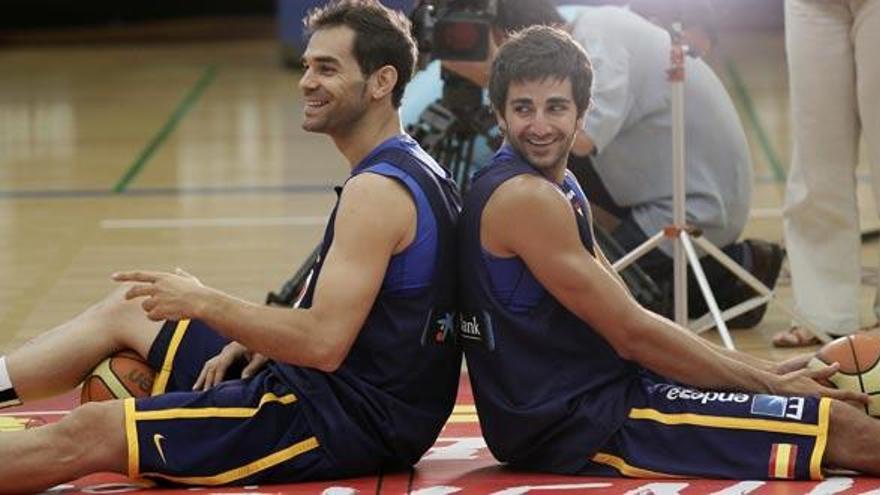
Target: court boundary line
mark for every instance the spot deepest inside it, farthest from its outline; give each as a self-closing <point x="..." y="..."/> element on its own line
<point x="182" y="108"/>
<point x="181" y="223"/>
<point x="166" y="191"/>
<point x="748" y="106"/>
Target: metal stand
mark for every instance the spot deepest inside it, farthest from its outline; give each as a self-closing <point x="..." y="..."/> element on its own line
<point x="685" y="236"/>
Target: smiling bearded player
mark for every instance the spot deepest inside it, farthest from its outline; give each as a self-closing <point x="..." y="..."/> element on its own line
<point x="357" y="381"/>
<point x="566" y="368"/>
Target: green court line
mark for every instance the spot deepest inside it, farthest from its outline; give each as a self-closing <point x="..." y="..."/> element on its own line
<point x="180" y="111"/>
<point x="763" y="140"/>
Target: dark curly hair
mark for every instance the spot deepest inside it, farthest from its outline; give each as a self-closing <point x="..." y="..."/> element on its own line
<point x="537" y="53"/>
<point x="382" y="37"/>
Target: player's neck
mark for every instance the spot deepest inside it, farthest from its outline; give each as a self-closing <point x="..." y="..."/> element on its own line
<point x="555" y="173"/>
<point x="373" y="129"/>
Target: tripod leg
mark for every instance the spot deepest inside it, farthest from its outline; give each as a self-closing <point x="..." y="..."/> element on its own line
<point x="759" y="287"/>
<point x="293" y="288"/>
<point x="640" y="284"/>
<point x="705" y="289"/>
<point x="638" y="252"/>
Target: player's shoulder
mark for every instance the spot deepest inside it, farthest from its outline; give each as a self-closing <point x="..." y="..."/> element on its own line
<point x="375" y="191"/>
<point x="373" y="206"/>
<point x="526" y="194"/>
<point x="529" y="187"/>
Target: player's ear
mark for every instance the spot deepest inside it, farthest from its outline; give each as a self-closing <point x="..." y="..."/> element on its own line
<point x="502" y="123"/>
<point x="382" y="81"/>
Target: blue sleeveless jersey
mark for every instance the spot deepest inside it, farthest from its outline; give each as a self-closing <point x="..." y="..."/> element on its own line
<point x="548" y="389"/>
<point x="387" y="402"/>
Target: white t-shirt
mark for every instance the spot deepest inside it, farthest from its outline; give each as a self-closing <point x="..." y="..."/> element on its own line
<point x="630" y="122"/>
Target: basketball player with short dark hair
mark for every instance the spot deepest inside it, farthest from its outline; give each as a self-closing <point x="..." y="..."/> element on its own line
<point x="570" y="375"/>
<point x="359" y="379"/>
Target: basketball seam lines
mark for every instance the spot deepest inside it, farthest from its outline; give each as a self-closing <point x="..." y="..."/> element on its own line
<point x="852" y="350"/>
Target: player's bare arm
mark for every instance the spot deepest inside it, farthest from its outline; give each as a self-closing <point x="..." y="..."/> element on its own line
<point x="528" y="217"/>
<point x="608" y="267"/>
<point x="375" y="219"/>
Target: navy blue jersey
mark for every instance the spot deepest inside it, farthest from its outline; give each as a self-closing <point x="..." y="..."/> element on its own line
<point x="548" y="389"/>
<point x="387" y="402"/>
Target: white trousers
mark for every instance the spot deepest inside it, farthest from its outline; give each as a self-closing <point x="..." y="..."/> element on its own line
<point x="833" y="51"/>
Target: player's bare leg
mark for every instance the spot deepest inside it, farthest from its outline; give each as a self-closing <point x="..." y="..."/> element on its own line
<point x="56" y="361"/>
<point x="853" y="440"/>
<point x="89" y="439"/>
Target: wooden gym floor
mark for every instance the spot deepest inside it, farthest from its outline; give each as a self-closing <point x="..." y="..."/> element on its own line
<point x="163" y="155"/>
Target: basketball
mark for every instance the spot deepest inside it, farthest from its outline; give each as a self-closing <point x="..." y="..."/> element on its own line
<point x="121" y="375"/>
<point x="858" y="355"/>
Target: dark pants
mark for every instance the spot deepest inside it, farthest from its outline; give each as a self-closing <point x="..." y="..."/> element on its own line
<point x="656" y="264"/>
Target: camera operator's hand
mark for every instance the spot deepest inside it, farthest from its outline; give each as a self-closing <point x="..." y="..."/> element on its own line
<point x="475" y="72"/>
<point x="583" y="144"/>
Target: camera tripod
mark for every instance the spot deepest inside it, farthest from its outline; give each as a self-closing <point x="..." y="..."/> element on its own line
<point x="684" y="236"/>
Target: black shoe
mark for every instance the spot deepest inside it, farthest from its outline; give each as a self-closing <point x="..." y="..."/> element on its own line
<point x="766" y="263"/>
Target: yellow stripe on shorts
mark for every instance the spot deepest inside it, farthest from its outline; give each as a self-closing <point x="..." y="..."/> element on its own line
<point x="821" y="439"/>
<point x="161" y="382"/>
<point x="131" y="439"/>
<point x="238" y="473"/>
<point x="212" y="412"/>
<point x="726" y="422"/>
<point x="625" y="469"/>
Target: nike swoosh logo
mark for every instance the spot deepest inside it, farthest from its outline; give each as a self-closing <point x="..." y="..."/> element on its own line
<point x="157" y="440"/>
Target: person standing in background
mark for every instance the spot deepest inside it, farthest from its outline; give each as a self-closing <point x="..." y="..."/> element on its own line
<point x="834" y="73"/>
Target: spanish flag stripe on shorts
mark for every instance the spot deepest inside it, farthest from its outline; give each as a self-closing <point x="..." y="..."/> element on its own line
<point x="782" y="460"/>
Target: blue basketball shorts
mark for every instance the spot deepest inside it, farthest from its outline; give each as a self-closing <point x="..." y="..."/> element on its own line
<point x="682" y="432"/>
<point x="239" y="432"/>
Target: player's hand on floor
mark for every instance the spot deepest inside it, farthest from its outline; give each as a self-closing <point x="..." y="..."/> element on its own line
<point x="808" y="382"/>
<point x="168" y="296"/>
<point x="215" y="368"/>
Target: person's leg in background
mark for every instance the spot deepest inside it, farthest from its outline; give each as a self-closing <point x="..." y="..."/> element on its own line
<point x="866" y="39"/>
<point x="821" y="218"/>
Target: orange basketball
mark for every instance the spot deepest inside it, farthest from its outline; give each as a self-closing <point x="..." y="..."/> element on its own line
<point x="859" y="356"/>
<point x="121" y="375"/>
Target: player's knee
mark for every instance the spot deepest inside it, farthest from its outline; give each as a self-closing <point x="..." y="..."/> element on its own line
<point x="115" y="316"/>
<point x="113" y="305"/>
<point x="91" y="438"/>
